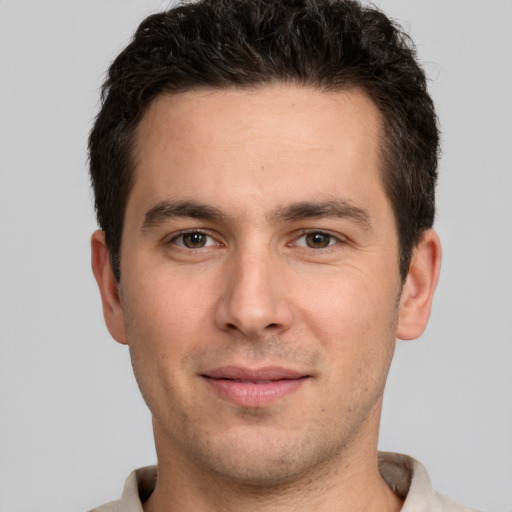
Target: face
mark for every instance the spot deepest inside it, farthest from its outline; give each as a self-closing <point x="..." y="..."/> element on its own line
<point x="260" y="288"/>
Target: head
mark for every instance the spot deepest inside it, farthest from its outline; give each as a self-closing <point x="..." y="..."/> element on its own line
<point x="221" y="44"/>
<point x="264" y="176"/>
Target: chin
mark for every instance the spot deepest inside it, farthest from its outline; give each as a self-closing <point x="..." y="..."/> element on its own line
<point x="264" y="460"/>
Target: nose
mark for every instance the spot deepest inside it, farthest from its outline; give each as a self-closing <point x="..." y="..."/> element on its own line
<point x="253" y="299"/>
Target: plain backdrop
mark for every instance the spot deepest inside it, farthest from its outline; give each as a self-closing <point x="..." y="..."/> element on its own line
<point x="72" y="423"/>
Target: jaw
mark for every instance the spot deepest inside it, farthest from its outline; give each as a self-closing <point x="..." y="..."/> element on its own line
<point x="271" y="446"/>
<point x="270" y="471"/>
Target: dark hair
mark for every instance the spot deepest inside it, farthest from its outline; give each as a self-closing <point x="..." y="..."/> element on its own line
<point x="326" y="44"/>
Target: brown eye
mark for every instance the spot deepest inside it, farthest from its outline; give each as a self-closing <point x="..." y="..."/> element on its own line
<point x="193" y="240"/>
<point x="318" y="240"/>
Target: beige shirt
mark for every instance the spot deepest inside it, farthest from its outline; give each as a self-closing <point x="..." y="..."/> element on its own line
<point x="404" y="475"/>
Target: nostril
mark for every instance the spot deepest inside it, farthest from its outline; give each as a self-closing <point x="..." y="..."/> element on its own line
<point x="233" y="327"/>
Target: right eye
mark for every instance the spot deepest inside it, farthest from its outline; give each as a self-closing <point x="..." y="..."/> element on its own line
<point x="193" y="240"/>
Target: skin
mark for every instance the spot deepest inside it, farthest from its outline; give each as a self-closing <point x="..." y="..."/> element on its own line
<point x="315" y="290"/>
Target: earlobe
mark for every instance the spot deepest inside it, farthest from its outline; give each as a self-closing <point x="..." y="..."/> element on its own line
<point x="102" y="270"/>
<point x="419" y="287"/>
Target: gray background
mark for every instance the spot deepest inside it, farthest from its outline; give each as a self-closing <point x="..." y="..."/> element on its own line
<point x="72" y="424"/>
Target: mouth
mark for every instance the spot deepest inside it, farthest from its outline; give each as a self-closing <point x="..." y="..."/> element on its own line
<point x="254" y="387"/>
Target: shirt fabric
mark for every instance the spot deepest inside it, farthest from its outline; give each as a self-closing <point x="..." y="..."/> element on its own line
<point x="404" y="475"/>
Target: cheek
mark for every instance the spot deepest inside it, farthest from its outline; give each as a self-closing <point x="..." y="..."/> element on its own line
<point x="347" y="303"/>
<point x="355" y="320"/>
<point x="162" y="327"/>
<point x="163" y="315"/>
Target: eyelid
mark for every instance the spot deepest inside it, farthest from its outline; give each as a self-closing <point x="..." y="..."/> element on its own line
<point x="172" y="238"/>
<point x="339" y="239"/>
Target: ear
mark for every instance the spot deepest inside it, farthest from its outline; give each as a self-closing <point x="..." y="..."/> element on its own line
<point x="419" y="287"/>
<point x="102" y="270"/>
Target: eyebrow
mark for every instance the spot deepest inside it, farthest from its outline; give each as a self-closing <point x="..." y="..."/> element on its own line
<point x="324" y="209"/>
<point x="165" y="210"/>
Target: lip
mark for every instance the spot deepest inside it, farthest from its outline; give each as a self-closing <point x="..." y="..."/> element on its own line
<point x="254" y="387"/>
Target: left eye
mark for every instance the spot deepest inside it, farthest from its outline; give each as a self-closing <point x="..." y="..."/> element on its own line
<point x="315" y="240"/>
<point x="194" y="240"/>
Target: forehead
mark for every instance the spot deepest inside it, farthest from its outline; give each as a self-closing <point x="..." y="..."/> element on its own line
<point x="308" y="115"/>
<point x="263" y="141"/>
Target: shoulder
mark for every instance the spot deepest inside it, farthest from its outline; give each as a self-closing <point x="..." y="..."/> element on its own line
<point x="137" y="488"/>
<point x="409" y="479"/>
<point x="442" y="504"/>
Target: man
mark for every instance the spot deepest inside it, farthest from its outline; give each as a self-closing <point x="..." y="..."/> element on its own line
<point x="264" y="176"/>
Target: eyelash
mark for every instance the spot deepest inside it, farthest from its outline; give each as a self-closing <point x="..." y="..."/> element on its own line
<point x="173" y="240"/>
<point x="332" y="240"/>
